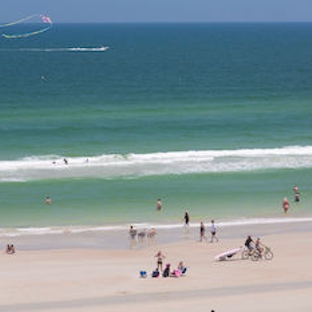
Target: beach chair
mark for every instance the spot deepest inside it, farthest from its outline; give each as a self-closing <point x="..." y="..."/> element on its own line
<point x="155" y="273"/>
<point x="143" y="274"/>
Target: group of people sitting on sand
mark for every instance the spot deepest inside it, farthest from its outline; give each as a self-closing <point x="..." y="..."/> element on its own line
<point x="167" y="272"/>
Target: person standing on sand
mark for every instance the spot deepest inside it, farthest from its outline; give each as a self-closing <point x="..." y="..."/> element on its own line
<point x="160" y="256"/>
<point x="159" y="204"/>
<point x="285" y="204"/>
<point x="202" y="231"/>
<point x="213" y="232"/>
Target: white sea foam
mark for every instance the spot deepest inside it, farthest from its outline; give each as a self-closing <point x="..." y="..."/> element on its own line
<point x="135" y="165"/>
<point x="58" y="230"/>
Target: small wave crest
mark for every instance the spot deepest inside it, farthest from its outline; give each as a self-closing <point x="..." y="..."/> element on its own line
<point x="136" y="165"/>
<point x="58" y="230"/>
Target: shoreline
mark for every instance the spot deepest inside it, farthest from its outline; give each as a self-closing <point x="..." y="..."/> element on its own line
<point x="118" y="239"/>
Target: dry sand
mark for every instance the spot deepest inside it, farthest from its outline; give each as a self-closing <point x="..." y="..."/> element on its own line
<point x="95" y="279"/>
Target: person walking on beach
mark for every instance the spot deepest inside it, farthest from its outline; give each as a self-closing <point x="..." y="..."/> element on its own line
<point x="160" y="256"/>
<point x="202" y="231"/>
<point x="132" y="235"/>
<point x="213" y="232"/>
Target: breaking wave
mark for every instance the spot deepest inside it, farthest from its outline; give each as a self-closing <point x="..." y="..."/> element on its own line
<point x="135" y="165"/>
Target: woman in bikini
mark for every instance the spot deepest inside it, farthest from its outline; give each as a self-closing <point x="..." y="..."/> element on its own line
<point x="160" y="256"/>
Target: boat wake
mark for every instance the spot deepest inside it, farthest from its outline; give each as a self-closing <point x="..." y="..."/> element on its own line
<point x="67" y="49"/>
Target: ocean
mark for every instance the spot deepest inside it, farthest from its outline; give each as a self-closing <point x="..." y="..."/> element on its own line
<point x="212" y="118"/>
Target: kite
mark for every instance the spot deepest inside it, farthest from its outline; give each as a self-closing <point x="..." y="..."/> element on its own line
<point x="43" y="19"/>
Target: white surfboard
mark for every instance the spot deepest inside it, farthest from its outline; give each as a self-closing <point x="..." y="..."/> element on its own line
<point x="228" y="254"/>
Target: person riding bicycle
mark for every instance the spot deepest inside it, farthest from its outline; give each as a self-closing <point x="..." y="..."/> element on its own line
<point x="249" y="243"/>
<point x="258" y="246"/>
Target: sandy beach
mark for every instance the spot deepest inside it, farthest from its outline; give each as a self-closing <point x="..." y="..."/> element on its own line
<point x="89" y="277"/>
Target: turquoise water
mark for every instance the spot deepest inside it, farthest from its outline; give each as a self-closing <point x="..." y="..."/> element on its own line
<point x="213" y="118"/>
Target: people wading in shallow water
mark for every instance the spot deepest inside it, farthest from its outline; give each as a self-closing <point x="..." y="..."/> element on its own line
<point x="285" y="204"/>
<point x="186" y="219"/>
<point x="159" y="204"/>
<point x="296" y="194"/>
<point x="48" y="200"/>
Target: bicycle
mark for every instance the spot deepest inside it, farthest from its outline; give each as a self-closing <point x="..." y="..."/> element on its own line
<point x="247" y="253"/>
<point x="267" y="254"/>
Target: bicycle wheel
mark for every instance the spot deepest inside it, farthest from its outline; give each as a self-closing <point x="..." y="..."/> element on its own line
<point x="245" y="254"/>
<point x="268" y="255"/>
<point x="255" y="256"/>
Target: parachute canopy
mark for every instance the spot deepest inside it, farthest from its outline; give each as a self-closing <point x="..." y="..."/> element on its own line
<point x="39" y="23"/>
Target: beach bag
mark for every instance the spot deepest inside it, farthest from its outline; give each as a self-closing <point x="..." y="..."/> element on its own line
<point x="166" y="272"/>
